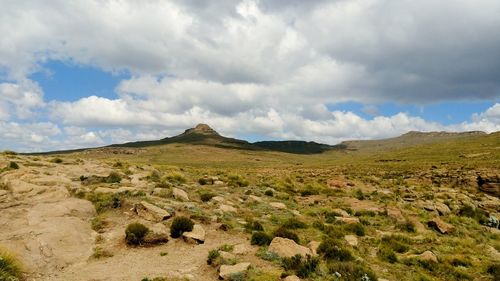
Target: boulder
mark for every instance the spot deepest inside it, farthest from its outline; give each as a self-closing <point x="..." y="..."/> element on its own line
<point x="227" y="271"/>
<point x="278" y="205"/>
<point x="425" y="256"/>
<point x="440" y="226"/>
<point x="151" y="212"/>
<point x="292" y="278"/>
<point x="158" y="234"/>
<point x="313" y="246"/>
<point x="442" y="208"/>
<point x="351" y="240"/>
<point x="253" y="198"/>
<point x="196" y="236"/>
<point x="341" y="212"/>
<point x="227" y="209"/>
<point x="353" y="220"/>
<point x="284" y="247"/>
<point x="180" y="194"/>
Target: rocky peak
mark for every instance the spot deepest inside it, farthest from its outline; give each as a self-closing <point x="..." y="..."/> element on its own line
<point x="202" y="129"/>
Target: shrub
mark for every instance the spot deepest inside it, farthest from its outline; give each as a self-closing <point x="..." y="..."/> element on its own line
<point x="260" y="238"/>
<point x="237" y="181"/>
<point x="352" y="271"/>
<point x="355" y="228"/>
<point x="113" y="177"/>
<point x="359" y="194"/>
<point x="302" y="267"/>
<point x="176" y="178"/>
<point x="10" y="267"/>
<point x="56" y="160"/>
<point x="254" y="226"/>
<point x="98" y="223"/>
<point x="407" y="226"/>
<point x="285" y="233"/>
<point x="387" y="254"/>
<point x="494" y="270"/>
<point x="294" y="223"/>
<point x="331" y="249"/>
<point x="269" y="192"/>
<point x="213" y="255"/>
<point x="181" y="225"/>
<point x="104" y="201"/>
<point x="13" y="165"/>
<point x="101" y="253"/>
<point x="135" y="232"/>
<point x="397" y="243"/>
<point x="206" y="196"/>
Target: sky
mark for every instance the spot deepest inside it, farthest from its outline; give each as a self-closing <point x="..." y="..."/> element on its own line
<point x="88" y="73"/>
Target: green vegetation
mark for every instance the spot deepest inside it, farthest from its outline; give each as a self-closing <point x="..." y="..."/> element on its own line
<point x="135" y="233"/>
<point x="260" y="238"/>
<point x="180" y="225"/>
<point x="302" y="267"/>
<point x="104" y="201"/>
<point x="285" y="233"/>
<point x="332" y="250"/>
<point x="10" y="266"/>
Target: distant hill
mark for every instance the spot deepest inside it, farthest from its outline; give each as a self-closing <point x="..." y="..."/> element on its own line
<point x="409" y="139"/>
<point x="203" y="134"/>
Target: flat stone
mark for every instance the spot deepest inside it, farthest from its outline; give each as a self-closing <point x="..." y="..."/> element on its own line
<point x="285" y="247"/>
<point x="351" y="240"/>
<point x="292" y="278"/>
<point x="180" y="194"/>
<point x="226" y="271"/>
<point x="196" y="236"/>
<point x="158" y="234"/>
<point x="353" y="220"/>
<point x="228" y="209"/>
<point x="278" y="205"/>
<point x="441" y="226"/>
<point x="313" y="246"/>
<point x="151" y="212"/>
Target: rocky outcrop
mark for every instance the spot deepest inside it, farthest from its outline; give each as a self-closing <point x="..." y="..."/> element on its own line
<point x="195" y="236"/>
<point x="284" y="247"/>
<point x="441" y="226"/>
<point x="151" y="212"/>
<point x="227" y="271"/>
<point x="180" y="194"/>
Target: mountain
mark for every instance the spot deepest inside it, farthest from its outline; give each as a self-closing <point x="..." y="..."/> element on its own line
<point x="203" y="134"/>
<point x="409" y="139"/>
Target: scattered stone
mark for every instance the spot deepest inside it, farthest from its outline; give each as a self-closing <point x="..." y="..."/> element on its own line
<point x="219" y="199"/>
<point x="227" y="209"/>
<point x="151" y="212"/>
<point x="278" y="205"/>
<point x="441" y="226"/>
<point x="218" y="182"/>
<point x="254" y="198"/>
<point x="292" y="278"/>
<point x="158" y="234"/>
<point x="284" y="247"/>
<point x="341" y="212"/>
<point x="425" y="256"/>
<point x="226" y="271"/>
<point x="180" y="194"/>
<point x="353" y="220"/>
<point x="241" y="249"/>
<point x="351" y="240"/>
<point x="196" y="236"/>
<point x="395" y="214"/>
<point x="442" y="208"/>
<point x="313" y="246"/>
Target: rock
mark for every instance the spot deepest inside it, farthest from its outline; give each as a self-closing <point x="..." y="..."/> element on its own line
<point x="395" y="213"/>
<point x="160" y="192"/>
<point x="219" y="199"/>
<point x="218" y="182"/>
<point x="348" y="220"/>
<point x="442" y="208"/>
<point x="227" y="209"/>
<point x="242" y="249"/>
<point x="180" y="194"/>
<point x="428" y="256"/>
<point x="3" y="192"/>
<point x="158" y="234"/>
<point x="292" y="278"/>
<point x="151" y="212"/>
<point x="351" y="240"/>
<point x="226" y="271"/>
<point x="284" y="247"/>
<point x="196" y="236"/>
<point x="313" y="246"/>
<point x="254" y="198"/>
<point x="341" y="212"/>
<point x="227" y="255"/>
<point x="278" y="205"/>
<point x="105" y="190"/>
<point x="440" y="226"/>
<point x="336" y="183"/>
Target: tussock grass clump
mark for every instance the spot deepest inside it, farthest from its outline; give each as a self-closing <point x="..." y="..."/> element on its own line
<point x="10" y="266"/>
<point x="260" y="238"/>
<point x="180" y="225"/>
<point x="303" y="267"/>
<point x="269" y="192"/>
<point x="334" y="250"/>
<point x="407" y="226"/>
<point x="236" y="180"/>
<point x="100" y="253"/>
<point x="113" y="177"/>
<point x="385" y="253"/>
<point x="98" y="223"/>
<point x="293" y="223"/>
<point x="285" y="233"/>
<point x="206" y="196"/>
<point x="213" y="255"/>
<point x="254" y="226"/>
<point x="135" y="233"/>
<point x="56" y="160"/>
<point x="104" y="201"/>
<point x="352" y="271"/>
<point x="175" y="178"/>
<point x="398" y="243"/>
<point x="355" y="228"/>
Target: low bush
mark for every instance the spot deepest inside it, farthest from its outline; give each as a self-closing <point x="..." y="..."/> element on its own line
<point x="206" y="196"/>
<point x="135" y="232"/>
<point x="113" y="177"/>
<point x="254" y="226"/>
<point x="13" y="165"/>
<point x="56" y="160"/>
<point x="180" y="225"/>
<point x="387" y="254"/>
<point x="303" y="267"/>
<point x="176" y="178"/>
<point x="10" y="267"/>
<point x="407" y="226"/>
<point x="355" y="228"/>
<point x="474" y="213"/>
<point x="269" y="192"/>
<point x="213" y="255"/>
<point x="293" y="223"/>
<point x="398" y="243"/>
<point x="260" y="238"/>
<point x="237" y="181"/>
<point x="494" y="270"/>
<point x="285" y="233"/>
<point x="331" y="249"/>
<point x="352" y="271"/>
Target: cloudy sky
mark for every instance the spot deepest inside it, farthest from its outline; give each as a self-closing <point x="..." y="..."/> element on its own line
<point x="93" y="72"/>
